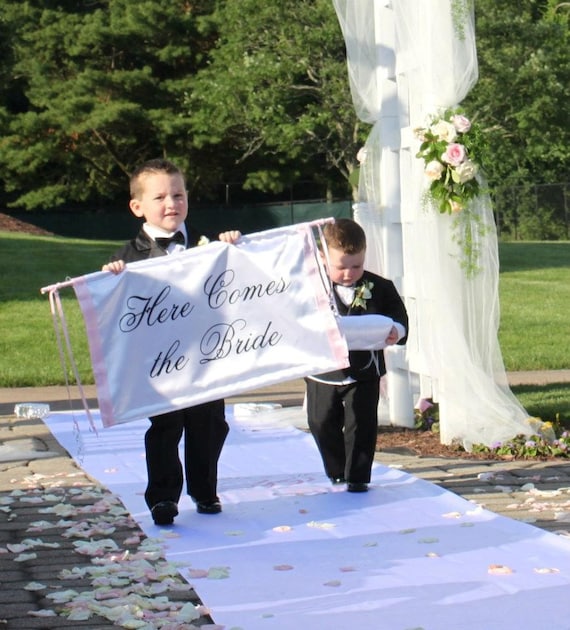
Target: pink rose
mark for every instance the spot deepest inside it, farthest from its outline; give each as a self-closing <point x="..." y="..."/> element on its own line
<point x="461" y="123"/>
<point x="454" y="154"/>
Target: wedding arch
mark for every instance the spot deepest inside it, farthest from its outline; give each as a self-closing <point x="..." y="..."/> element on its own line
<point x="409" y="61"/>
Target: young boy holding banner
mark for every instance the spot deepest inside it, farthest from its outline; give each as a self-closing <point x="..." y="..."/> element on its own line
<point x="158" y="195"/>
<point x="342" y="406"/>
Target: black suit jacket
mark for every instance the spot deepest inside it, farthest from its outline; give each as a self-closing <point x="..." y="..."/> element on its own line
<point x="386" y="301"/>
<point x="143" y="246"/>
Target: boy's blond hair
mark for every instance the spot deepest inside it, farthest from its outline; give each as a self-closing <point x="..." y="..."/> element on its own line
<point x="151" y="167"/>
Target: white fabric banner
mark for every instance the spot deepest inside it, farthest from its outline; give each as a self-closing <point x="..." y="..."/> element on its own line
<point x="211" y="322"/>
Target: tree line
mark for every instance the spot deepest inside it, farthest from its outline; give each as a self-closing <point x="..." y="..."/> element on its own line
<point x="247" y="93"/>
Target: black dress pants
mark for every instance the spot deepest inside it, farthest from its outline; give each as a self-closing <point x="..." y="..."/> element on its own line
<point x="343" y="420"/>
<point x="205" y="429"/>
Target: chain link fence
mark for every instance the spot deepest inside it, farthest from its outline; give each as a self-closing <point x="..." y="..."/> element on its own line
<point x="537" y="212"/>
<point x="209" y="219"/>
<point x="534" y="212"/>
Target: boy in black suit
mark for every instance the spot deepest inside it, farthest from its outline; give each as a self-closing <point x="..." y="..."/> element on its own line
<point x="158" y="195"/>
<point x="342" y="406"/>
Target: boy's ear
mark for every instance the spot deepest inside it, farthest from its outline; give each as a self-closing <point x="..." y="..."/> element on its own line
<point x="136" y="208"/>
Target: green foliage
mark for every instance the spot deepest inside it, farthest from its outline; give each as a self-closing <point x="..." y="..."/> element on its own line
<point x="253" y="92"/>
<point x="104" y="87"/>
<point x="28" y="351"/>
<point x="277" y="92"/>
<point x="523" y="96"/>
<point x="531" y="447"/>
<point x="427" y="418"/>
<point x="550" y="407"/>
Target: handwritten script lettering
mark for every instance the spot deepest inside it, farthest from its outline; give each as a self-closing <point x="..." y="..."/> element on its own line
<point x="168" y="363"/>
<point x="148" y="311"/>
<point x="219" y="293"/>
<point x="221" y="340"/>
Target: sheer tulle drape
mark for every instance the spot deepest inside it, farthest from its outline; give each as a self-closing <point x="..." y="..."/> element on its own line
<point x="453" y="351"/>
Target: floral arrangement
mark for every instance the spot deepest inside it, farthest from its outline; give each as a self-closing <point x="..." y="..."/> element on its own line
<point x="426" y="416"/>
<point x="452" y="148"/>
<point x="449" y="148"/>
<point x="362" y="293"/>
<point x="550" y="439"/>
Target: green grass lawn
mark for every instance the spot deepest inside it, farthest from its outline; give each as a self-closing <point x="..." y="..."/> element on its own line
<point x="29" y="353"/>
<point x="534" y="292"/>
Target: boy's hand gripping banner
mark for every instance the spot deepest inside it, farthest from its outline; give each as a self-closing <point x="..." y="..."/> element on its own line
<point x="211" y="322"/>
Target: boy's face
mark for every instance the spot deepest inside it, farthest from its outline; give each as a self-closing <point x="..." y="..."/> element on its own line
<point x="163" y="202"/>
<point x="345" y="269"/>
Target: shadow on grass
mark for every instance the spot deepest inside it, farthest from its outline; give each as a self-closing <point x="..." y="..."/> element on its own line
<point x="526" y="255"/>
<point x="549" y="402"/>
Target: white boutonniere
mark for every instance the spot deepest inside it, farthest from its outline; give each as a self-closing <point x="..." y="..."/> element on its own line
<point x="362" y="293"/>
<point x="203" y="240"/>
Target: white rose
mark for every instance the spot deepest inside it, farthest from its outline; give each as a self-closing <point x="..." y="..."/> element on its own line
<point x="461" y="123"/>
<point x="362" y="154"/>
<point x="466" y="171"/>
<point x="434" y="170"/>
<point x="444" y="131"/>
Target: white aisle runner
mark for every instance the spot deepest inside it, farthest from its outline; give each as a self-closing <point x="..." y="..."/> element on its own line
<point x="292" y="552"/>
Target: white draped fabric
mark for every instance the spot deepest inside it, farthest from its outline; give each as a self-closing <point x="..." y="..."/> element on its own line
<point x="453" y="352"/>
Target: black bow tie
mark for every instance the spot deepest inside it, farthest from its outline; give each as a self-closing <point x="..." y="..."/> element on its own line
<point x="176" y="238"/>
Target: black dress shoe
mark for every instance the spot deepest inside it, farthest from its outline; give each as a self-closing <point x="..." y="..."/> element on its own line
<point x="208" y="507"/>
<point x="163" y="513"/>
<point x="357" y="487"/>
<point x="337" y="480"/>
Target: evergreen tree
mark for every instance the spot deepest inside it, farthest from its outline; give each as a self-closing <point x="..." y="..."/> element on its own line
<point x="104" y="84"/>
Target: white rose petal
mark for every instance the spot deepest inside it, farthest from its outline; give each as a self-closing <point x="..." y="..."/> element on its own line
<point x="25" y="556"/>
<point x="42" y="613"/>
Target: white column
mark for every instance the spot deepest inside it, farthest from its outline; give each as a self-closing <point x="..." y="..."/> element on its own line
<point x="400" y="402"/>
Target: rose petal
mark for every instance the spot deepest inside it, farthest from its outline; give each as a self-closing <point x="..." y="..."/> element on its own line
<point x="333" y="583"/>
<point x="499" y="569"/>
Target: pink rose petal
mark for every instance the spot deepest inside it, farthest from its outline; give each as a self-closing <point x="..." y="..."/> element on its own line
<point x="499" y="569"/>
